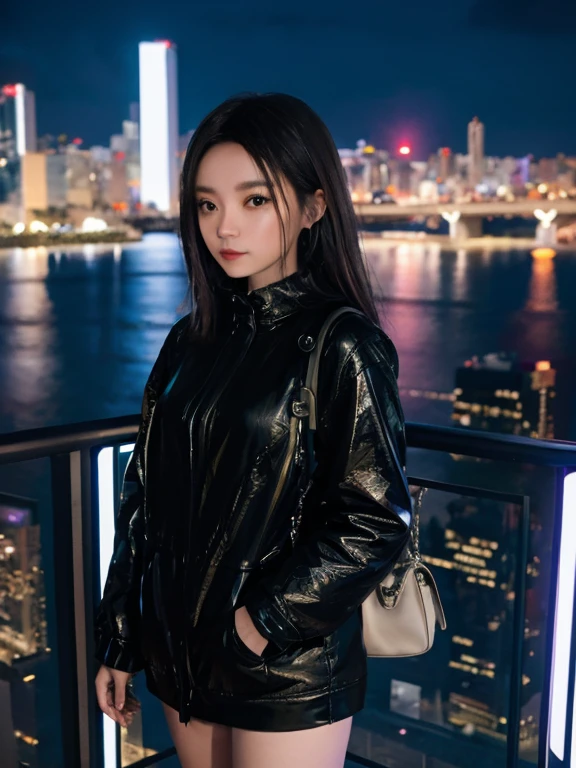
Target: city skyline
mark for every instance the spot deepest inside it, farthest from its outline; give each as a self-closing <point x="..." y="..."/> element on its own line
<point x="369" y="75"/>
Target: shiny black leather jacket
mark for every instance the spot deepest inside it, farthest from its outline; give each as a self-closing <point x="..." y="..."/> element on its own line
<point x="299" y="539"/>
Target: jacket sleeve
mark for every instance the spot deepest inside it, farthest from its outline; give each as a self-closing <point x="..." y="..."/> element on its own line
<point x="117" y="621"/>
<point x="358" y="523"/>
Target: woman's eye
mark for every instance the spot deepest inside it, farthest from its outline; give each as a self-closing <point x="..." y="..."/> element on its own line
<point x="260" y="198"/>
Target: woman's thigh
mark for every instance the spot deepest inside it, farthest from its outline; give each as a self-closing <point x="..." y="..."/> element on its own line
<point x="200" y="744"/>
<point x="321" y="747"/>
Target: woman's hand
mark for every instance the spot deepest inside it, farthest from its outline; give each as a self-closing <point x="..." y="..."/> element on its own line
<point x="248" y="632"/>
<point x="114" y="697"/>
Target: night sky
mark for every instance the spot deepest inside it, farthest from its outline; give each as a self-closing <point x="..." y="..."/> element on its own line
<point x="412" y="70"/>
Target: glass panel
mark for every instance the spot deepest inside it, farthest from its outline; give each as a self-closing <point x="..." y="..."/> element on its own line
<point x="30" y="710"/>
<point x="148" y="734"/>
<point x="461" y="686"/>
<point x="453" y="703"/>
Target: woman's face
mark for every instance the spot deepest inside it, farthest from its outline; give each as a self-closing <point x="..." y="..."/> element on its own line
<point x="236" y="213"/>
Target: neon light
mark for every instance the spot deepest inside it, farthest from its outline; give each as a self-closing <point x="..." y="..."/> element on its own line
<point x="20" y="120"/>
<point x="105" y="510"/>
<point x="573" y="750"/>
<point x="106" y="538"/>
<point x="563" y="622"/>
<point x="570" y="495"/>
<point x="158" y="128"/>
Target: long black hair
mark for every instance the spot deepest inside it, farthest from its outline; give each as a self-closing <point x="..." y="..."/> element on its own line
<point x="286" y="139"/>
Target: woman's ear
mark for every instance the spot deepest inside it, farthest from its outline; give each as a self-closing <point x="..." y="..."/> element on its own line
<point x="315" y="208"/>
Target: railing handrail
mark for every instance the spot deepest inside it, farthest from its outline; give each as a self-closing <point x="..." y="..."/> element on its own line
<point x="491" y="445"/>
<point x="47" y="441"/>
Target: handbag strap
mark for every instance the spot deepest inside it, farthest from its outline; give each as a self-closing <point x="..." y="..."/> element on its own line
<point x="308" y="397"/>
<point x="308" y="392"/>
<point x="416" y="507"/>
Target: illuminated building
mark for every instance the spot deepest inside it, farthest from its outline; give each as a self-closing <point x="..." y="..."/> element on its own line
<point x="56" y="167"/>
<point x="22" y="600"/>
<point x="79" y="188"/>
<point x="17" y="121"/>
<point x="499" y="394"/>
<point x="475" y="152"/>
<point x="34" y="182"/>
<point x="446" y="163"/>
<point x="7" y="740"/>
<point x="17" y="137"/>
<point x="158" y="126"/>
<point x="547" y="170"/>
<point x="472" y="560"/>
<point x="23" y="629"/>
<point x="121" y="187"/>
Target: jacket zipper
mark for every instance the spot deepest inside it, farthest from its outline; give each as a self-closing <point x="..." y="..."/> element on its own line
<point x="281" y="481"/>
<point x="146" y="446"/>
<point x="186" y="568"/>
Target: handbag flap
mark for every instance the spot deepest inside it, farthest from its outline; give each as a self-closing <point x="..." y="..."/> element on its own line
<point x="390" y="590"/>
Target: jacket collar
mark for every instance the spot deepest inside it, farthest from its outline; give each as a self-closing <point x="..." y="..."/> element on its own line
<point x="275" y="301"/>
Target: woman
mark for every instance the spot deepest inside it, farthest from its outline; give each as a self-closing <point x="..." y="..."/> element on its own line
<point x="242" y="552"/>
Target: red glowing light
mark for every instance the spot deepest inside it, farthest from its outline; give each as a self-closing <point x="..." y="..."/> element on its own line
<point x="119" y="155"/>
<point x="446" y="151"/>
<point x="167" y="43"/>
<point x="404" y="150"/>
<point x="77" y="142"/>
<point x="9" y="90"/>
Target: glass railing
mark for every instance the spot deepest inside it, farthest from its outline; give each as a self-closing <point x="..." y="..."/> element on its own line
<point x="498" y="530"/>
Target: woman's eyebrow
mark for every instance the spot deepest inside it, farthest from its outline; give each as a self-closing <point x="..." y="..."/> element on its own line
<point x="239" y="187"/>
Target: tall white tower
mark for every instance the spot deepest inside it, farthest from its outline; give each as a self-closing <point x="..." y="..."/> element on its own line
<point x="159" y="126"/>
<point x="17" y="120"/>
<point x="475" y="152"/>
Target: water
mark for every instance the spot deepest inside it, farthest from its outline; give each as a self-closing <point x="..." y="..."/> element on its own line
<point x="81" y="328"/>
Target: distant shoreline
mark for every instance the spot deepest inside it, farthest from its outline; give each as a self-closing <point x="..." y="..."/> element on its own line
<point x="370" y="238"/>
<point x="47" y="239"/>
<point x="496" y="243"/>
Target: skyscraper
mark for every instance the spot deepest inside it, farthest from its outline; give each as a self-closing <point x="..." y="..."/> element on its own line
<point x="445" y="163"/>
<point x="17" y="121"/>
<point x="159" y="126"/>
<point x="475" y="152"/>
<point x="500" y="394"/>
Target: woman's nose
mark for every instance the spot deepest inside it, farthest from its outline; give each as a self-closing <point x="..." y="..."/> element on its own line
<point x="227" y="226"/>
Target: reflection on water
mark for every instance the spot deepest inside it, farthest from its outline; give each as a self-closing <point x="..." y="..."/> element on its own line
<point x="543" y="288"/>
<point x="81" y="327"/>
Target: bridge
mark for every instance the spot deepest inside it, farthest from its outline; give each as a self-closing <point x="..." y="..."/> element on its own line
<point x="469" y="213"/>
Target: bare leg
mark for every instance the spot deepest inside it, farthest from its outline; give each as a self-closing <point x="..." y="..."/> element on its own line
<point x="321" y="747"/>
<point x="200" y="744"/>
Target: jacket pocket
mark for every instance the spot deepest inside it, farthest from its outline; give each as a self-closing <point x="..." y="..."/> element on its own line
<point x="239" y="645"/>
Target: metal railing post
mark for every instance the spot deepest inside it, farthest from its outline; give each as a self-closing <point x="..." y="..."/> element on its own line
<point x="518" y="623"/>
<point x="67" y="651"/>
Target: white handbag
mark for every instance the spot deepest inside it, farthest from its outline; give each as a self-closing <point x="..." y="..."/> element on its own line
<point x="400" y="615"/>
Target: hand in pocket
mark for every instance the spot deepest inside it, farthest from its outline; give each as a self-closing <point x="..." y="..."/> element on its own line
<point x="247" y="632"/>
